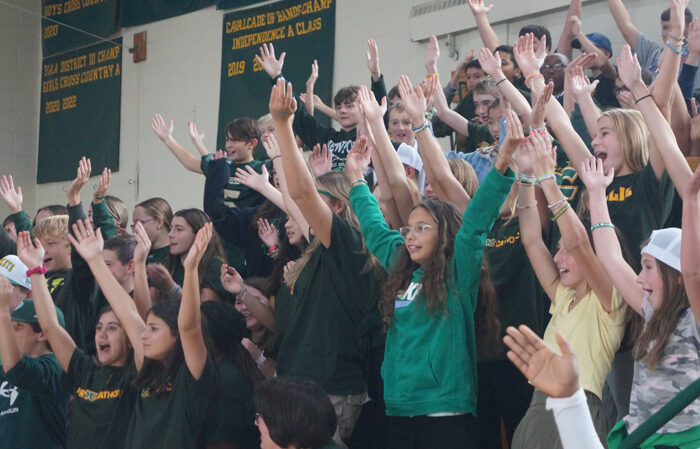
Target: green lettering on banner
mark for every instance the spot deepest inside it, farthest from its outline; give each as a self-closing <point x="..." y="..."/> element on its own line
<point x="80" y="111"/>
<point x="98" y="17"/>
<point x="138" y="12"/>
<point x="304" y="29"/>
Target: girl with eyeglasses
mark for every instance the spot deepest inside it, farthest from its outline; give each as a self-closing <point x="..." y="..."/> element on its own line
<point x="429" y="300"/>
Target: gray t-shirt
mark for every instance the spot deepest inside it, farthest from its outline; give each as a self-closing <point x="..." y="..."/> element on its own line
<point x="648" y="53"/>
<point x="677" y="368"/>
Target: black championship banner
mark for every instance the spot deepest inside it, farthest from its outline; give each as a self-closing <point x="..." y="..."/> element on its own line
<point x="63" y="17"/>
<point x="80" y="111"/>
<point x="138" y="12"/>
<point x="304" y="29"/>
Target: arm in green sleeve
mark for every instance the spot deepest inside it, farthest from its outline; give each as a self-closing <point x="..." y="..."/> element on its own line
<point x="380" y="240"/>
<point x="22" y="222"/>
<point x="102" y="218"/>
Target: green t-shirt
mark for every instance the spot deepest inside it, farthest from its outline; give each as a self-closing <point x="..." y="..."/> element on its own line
<point x="638" y="204"/>
<point x="103" y="401"/>
<point x="318" y="327"/>
<point x="519" y="293"/>
<point x="235" y="194"/>
<point x="479" y="137"/>
<point x="33" y="405"/>
<point x="232" y="413"/>
<point x="157" y="255"/>
<point x="174" y="420"/>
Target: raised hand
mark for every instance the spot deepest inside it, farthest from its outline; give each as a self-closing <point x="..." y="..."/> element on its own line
<point x="220" y="154"/>
<point x="413" y="100"/>
<point x="271" y="65"/>
<point x="197" y="138"/>
<point x="553" y="374"/>
<point x="514" y="133"/>
<point x="271" y="146"/>
<point x="539" y="110"/>
<point x="250" y="178"/>
<point x="143" y="245"/>
<point x="694" y="38"/>
<point x="314" y="74"/>
<point x="199" y="246"/>
<point x="320" y="160"/>
<point x="369" y="105"/>
<point x="32" y="256"/>
<point x="162" y="129"/>
<point x="372" y="58"/>
<point x="358" y="159"/>
<point x="88" y="243"/>
<point x="10" y="194"/>
<point x="628" y="68"/>
<point x="231" y="280"/>
<point x="81" y="178"/>
<point x="579" y="83"/>
<point x="160" y="276"/>
<point x="432" y="55"/>
<point x="282" y="102"/>
<point x="544" y="157"/>
<point x="268" y="233"/>
<point x="575" y="24"/>
<point x="478" y="7"/>
<point x="490" y="63"/>
<point x="583" y="60"/>
<point x="529" y="58"/>
<point x="428" y="87"/>
<point x="103" y="186"/>
<point x="592" y="175"/>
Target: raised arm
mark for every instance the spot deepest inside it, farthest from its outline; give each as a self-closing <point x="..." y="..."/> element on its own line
<point x="607" y="246"/>
<point x="13" y="198"/>
<point x="61" y="342"/>
<point x="259" y="182"/>
<point x="197" y="139"/>
<point x="89" y="245"/>
<point x="574" y="237"/>
<point x="582" y="90"/>
<point x="666" y="154"/>
<point x="567" y="34"/>
<point x="299" y="180"/>
<point x="164" y="131"/>
<point x="488" y="36"/>
<point x="601" y="60"/>
<point x="233" y="283"/>
<point x="189" y="320"/>
<point x="142" y="293"/>
<point x="491" y="64"/>
<point x="9" y="348"/>
<point x="690" y="244"/>
<point x="530" y="60"/>
<point x="624" y="22"/>
<point x="310" y="82"/>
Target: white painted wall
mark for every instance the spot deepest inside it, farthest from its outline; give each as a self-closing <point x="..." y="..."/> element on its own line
<point x="180" y="79"/>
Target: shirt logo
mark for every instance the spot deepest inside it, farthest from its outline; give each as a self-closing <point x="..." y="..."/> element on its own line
<point x="7" y="392"/>
<point x="408" y="296"/>
<point x="620" y="195"/>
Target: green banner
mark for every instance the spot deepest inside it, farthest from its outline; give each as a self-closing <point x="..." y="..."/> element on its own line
<point x="80" y="111"/>
<point x="138" y="12"/>
<point x="230" y="4"/>
<point x="65" y="17"/>
<point x="304" y="29"/>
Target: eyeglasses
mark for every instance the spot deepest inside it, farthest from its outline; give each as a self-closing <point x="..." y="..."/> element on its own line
<point x="554" y="67"/>
<point x="417" y="229"/>
<point x="142" y="222"/>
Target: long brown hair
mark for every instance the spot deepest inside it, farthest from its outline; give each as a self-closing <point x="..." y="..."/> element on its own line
<point x="664" y="320"/>
<point x="437" y="278"/>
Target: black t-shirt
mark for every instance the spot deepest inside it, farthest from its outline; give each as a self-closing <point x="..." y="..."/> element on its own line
<point x="319" y="325"/>
<point x="174" y="420"/>
<point x="103" y="402"/>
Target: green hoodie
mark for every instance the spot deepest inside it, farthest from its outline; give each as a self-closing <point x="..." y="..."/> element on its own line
<point x="430" y="360"/>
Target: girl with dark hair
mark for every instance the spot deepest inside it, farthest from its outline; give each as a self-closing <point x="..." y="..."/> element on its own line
<point x="294" y="413"/>
<point x="230" y="422"/>
<point x="169" y="276"/>
<point x="585" y="307"/>
<point x="667" y="358"/>
<point x="102" y="391"/>
<point x="430" y="299"/>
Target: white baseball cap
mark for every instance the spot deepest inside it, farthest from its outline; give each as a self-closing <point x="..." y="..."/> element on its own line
<point x="15" y="271"/>
<point x="665" y="245"/>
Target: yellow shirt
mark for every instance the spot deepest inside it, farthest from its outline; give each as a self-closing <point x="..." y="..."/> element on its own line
<point x="593" y="334"/>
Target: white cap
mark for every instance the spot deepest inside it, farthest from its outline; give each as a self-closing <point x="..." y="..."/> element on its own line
<point x="409" y="156"/>
<point x="15" y="271"/>
<point x="665" y="245"/>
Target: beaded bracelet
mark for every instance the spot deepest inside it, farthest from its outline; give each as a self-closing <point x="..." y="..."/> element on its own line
<point x="526" y="179"/>
<point x="676" y="38"/>
<point x="528" y="206"/>
<point x="420" y="128"/>
<point x="561" y="212"/>
<point x="557" y="204"/>
<point x="675" y="50"/>
<point x="642" y="98"/>
<point x="541" y="130"/>
<point x="430" y="113"/>
<point x="358" y="181"/>
<point x="546" y="176"/>
<point x="430" y="75"/>
<point x="602" y="225"/>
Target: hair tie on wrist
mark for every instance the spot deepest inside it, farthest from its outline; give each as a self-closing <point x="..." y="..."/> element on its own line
<point x="642" y="98"/>
<point x="673" y="49"/>
<point x="500" y="81"/>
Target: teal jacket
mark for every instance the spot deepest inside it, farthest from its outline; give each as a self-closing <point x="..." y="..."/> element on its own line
<point x="430" y="360"/>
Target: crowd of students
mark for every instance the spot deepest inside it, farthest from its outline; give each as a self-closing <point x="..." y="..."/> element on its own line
<point x="538" y="287"/>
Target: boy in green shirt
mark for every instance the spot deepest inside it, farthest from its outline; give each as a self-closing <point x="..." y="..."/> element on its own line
<point x="32" y="403"/>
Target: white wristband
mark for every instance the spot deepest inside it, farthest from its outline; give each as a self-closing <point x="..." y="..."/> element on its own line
<point x="261" y="360"/>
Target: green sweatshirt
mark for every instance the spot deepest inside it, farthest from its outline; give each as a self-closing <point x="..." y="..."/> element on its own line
<point x="430" y="360"/>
